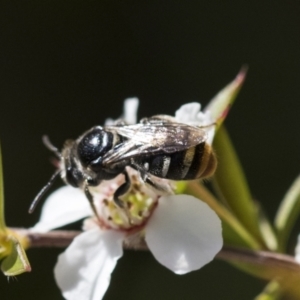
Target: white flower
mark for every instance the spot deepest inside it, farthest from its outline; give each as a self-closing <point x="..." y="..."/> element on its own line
<point x="191" y="114"/>
<point x="182" y="232"/>
<point x="130" y="112"/>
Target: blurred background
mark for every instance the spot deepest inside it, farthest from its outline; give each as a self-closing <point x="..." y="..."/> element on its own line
<point x="68" y="65"/>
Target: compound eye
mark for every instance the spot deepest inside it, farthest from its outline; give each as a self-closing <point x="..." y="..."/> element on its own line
<point x="74" y="177"/>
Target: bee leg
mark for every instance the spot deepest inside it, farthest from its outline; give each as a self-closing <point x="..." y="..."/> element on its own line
<point x="121" y="190"/>
<point x="90" y="198"/>
<point x="155" y="185"/>
<point x="147" y="178"/>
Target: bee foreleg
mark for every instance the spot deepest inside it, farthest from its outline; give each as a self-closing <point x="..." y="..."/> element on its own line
<point x="122" y="190"/>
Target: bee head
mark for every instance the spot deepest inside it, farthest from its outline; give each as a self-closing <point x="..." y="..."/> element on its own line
<point x="71" y="168"/>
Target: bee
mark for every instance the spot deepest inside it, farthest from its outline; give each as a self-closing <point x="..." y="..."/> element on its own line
<point x="156" y="147"/>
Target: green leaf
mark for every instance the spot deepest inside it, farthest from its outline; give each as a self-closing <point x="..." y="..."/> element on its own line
<point x="271" y="292"/>
<point x="2" y="220"/>
<point x="267" y="265"/>
<point x="267" y="229"/>
<point x="238" y="235"/>
<point x="288" y="213"/>
<point x="16" y="262"/>
<point x="220" y="105"/>
<point x="180" y="187"/>
<point x="230" y="180"/>
<point x="234" y="236"/>
<point x="12" y="255"/>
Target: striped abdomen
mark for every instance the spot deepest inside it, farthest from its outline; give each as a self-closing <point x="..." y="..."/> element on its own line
<point x="193" y="163"/>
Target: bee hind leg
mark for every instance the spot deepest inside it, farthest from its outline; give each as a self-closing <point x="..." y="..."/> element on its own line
<point x="150" y="180"/>
<point x="121" y="190"/>
<point x="161" y="189"/>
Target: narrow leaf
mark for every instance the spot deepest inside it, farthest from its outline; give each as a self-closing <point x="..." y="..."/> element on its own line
<point x="220" y="105"/>
<point x="235" y="237"/>
<point x="16" y="262"/>
<point x="2" y="220"/>
<point x="244" y="237"/>
<point x="267" y="265"/>
<point x="267" y="229"/>
<point x="288" y="213"/>
<point x="231" y="181"/>
<point x="271" y="292"/>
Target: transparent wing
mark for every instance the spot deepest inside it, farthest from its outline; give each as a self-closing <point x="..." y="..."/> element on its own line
<point x="153" y="137"/>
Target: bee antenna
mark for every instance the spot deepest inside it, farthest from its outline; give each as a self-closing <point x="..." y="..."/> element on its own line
<point x="50" y="146"/>
<point x="42" y="192"/>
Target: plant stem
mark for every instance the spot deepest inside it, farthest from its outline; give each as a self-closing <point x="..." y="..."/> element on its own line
<point x="63" y="238"/>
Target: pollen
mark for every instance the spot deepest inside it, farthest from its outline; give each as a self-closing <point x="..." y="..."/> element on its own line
<point x="117" y="219"/>
<point x="133" y="209"/>
<point x="138" y="204"/>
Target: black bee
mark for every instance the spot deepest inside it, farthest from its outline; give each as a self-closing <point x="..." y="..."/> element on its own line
<point x="156" y="147"/>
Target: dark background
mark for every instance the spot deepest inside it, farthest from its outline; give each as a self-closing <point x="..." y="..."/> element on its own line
<point x="68" y="65"/>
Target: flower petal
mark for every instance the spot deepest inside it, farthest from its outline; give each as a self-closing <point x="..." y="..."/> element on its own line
<point x="66" y="205"/>
<point x="190" y="114"/>
<point x="183" y="233"/>
<point x="83" y="271"/>
<point x="130" y="110"/>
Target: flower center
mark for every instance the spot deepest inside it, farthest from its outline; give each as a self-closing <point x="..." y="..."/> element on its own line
<point x="138" y="205"/>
